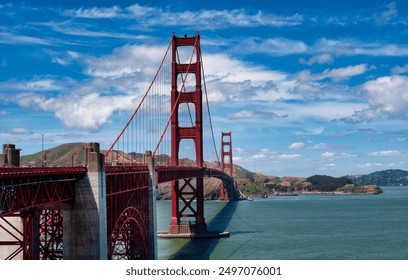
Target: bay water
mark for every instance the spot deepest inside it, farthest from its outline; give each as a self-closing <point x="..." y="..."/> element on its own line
<point x="304" y="227"/>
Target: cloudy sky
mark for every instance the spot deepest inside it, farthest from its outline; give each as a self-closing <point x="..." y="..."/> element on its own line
<point x="306" y="87"/>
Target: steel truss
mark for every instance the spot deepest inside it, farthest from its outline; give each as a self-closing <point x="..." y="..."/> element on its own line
<point x="51" y="235"/>
<point x="128" y="214"/>
<point x="25" y="188"/>
<point x="36" y="234"/>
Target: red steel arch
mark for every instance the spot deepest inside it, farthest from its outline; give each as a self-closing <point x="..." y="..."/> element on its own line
<point x="129" y="238"/>
<point x="128" y="215"/>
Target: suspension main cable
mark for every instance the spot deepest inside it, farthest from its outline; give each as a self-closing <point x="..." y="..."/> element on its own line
<point x="141" y="102"/>
<point x="178" y="97"/>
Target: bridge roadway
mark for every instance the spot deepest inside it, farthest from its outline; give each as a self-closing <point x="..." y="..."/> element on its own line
<point x="70" y="193"/>
<point x="56" y="185"/>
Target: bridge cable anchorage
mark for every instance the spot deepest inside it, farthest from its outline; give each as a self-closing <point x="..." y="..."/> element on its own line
<point x="177" y="100"/>
<point x="151" y="86"/>
<point x="208" y="109"/>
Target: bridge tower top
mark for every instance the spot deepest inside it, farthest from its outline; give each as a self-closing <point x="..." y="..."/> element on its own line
<point x="226" y="153"/>
<point x="180" y="95"/>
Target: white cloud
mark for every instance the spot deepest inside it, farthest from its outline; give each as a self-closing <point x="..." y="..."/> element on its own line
<point x="332" y="156"/>
<point x="389" y="13"/>
<point x="387" y="153"/>
<point x="400" y="164"/>
<point x="94" y="12"/>
<point x="126" y="73"/>
<point x="129" y="60"/>
<point x="320" y="146"/>
<point x="17" y="39"/>
<point x="88" y="112"/>
<point x="205" y="19"/>
<point x="387" y="98"/>
<point x="239" y="150"/>
<point x="221" y="91"/>
<point x="75" y="29"/>
<point x="221" y="66"/>
<point x="258" y="156"/>
<point x="3" y="63"/>
<point x="230" y="79"/>
<point x="246" y="114"/>
<point x="296" y="146"/>
<point x="324" y="58"/>
<point x="19" y="130"/>
<point x="388" y="95"/>
<point x="315" y="130"/>
<point x="38" y="84"/>
<point x="328" y="155"/>
<point x="237" y="159"/>
<point x="336" y="74"/>
<point x="369" y="164"/>
<point x="322" y="110"/>
<point x="289" y="156"/>
<point x="400" y="69"/>
<point x="5" y="5"/>
<point x="271" y="46"/>
<point x="353" y="47"/>
<point x="323" y="51"/>
<point x="252" y="156"/>
<point x="398" y="140"/>
<point x="309" y="90"/>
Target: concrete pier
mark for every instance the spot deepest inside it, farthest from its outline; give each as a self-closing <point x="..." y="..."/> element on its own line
<point x="85" y="223"/>
<point x="150" y="161"/>
<point x="10" y="156"/>
<point x="13" y="224"/>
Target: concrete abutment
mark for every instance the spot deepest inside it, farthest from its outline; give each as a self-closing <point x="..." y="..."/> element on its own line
<point x="85" y="222"/>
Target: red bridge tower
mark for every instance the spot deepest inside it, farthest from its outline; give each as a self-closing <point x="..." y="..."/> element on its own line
<point x="185" y="191"/>
<point x="226" y="157"/>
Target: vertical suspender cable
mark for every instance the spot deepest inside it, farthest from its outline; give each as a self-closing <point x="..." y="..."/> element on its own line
<point x="178" y="98"/>
<point x="208" y="108"/>
<point x="141" y="102"/>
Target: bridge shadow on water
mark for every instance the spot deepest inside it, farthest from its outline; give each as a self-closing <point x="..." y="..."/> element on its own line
<point x="201" y="249"/>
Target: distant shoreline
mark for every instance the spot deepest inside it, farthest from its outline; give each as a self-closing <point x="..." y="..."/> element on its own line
<point x="322" y="193"/>
<point x="362" y="190"/>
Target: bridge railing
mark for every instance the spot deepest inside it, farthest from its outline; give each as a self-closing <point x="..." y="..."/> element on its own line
<point x="24" y="172"/>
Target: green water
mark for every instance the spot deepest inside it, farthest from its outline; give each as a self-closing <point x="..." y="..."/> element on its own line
<point x="309" y="227"/>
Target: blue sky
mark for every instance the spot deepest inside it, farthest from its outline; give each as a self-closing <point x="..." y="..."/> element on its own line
<point x="306" y="87"/>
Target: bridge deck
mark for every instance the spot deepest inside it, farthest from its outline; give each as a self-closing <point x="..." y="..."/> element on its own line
<point x="23" y="188"/>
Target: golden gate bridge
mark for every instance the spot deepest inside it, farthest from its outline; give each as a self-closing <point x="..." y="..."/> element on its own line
<point x="106" y="209"/>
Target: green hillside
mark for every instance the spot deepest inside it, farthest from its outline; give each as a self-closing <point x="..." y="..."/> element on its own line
<point x="390" y="177"/>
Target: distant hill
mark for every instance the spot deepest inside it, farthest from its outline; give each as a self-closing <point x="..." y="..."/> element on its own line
<point x="390" y="177"/>
<point x="72" y="154"/>
<point x="249" y="183"/>
<point x="256" y="184"/>
<point x="62" y="155"/>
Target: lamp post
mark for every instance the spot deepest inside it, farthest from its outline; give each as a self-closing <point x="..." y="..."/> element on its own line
<point x="72" y="159"/>
<point x="45" y="158"/>
<point x="42" y="147"/>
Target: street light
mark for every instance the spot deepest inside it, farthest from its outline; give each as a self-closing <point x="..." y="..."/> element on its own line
<point x="42" y="147"/>
<point x="72" y="158"/>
